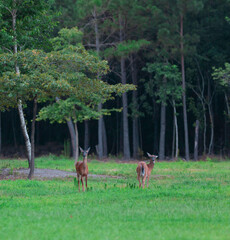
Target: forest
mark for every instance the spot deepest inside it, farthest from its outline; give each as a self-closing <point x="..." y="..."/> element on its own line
<point x="123" y="77"/>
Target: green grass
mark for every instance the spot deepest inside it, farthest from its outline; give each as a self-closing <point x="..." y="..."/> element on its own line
<point x="185" y="200"/>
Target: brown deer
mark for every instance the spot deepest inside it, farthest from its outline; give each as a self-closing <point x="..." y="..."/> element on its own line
<point x="82" y="169"/>
<point x="144" y="170"/>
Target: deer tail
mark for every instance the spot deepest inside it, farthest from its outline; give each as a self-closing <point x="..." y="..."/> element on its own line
<point x="142" y="171"/>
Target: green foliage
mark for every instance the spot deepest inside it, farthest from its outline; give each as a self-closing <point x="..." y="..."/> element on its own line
<point x="67" y="37"/>
<point x="165" y="83"/>
<point x="82" y="70"/>
<point x="34" y="24"/>
<point x="126" y="48"/>
<point x="222" y="75"/>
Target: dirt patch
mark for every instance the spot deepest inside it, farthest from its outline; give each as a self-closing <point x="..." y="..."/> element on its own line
<point x="22" y="173"/>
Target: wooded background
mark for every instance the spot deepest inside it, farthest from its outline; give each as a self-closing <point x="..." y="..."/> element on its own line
<point x="176" y="52"/>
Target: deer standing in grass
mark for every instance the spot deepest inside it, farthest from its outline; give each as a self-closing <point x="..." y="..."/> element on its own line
<point x="82" y="169"/>
<point x="144" y="170"/>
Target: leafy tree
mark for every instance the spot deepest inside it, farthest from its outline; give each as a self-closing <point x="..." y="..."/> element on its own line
<point x="164" y="85"/>
<point x="88" y="91"/>
<point x="24" y="24"/>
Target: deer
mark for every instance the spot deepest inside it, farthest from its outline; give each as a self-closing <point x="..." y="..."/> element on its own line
<point x="144" y="170"/>
<point x="82" y="169"/>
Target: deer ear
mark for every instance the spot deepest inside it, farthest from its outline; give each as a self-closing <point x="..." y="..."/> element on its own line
<point x="81" y="149"/>
<point x="149" y="154"/>
<point x="88" y="150"/>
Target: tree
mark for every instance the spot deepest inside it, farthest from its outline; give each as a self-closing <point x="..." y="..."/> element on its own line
<point x="163" y="72"/>
<point x="29" y="19"/>
<point x="38" y="81"/>
<point x="88" y="90"/>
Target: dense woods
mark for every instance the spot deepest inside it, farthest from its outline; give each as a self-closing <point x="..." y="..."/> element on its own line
<point x="68" y="70"/>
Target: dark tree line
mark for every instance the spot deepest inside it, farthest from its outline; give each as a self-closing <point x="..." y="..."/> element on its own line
<point x="174" y="51"/>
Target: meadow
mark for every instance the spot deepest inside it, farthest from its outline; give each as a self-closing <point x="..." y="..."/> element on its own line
<point x="185" y="200"/>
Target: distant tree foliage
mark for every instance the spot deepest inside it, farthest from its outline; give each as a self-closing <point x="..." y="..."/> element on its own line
<point x="74" y="61"/>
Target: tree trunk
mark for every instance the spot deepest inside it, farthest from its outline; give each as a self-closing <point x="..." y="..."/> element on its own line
<point x="227" y="104"/>
<point x="196" y="140"/>
<point x="24" y="131"/>
<point x="173" y="138"/>
<point x="102" y="140"/>
<point x="86" y="138"/>
<point x="100" y="134"/>
<point x="77" y="142"/>
<point x="162" y="132"/>
<point x="31" y="173"/>
<point x="72" y="137"/>
<point x="156" y="127"/>
<point x="210" y="149"/>
<point x="175" y="133"/>
<point x="176" y="130"/>
<point x="135" y="106"/>
<point x="184" y="91"/>
<point x="20" y="109"/>
<point x="227" y="118"/>
<point x="205" y="128"/>
<point x="126" y="146"/>
<point x="0" y="133"/>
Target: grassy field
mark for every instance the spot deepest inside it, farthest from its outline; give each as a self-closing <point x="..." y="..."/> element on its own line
<point x="185" y="200"/>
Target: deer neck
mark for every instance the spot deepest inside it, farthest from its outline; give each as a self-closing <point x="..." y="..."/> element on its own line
<point x="84" y="162"/>
<point x="151" y="164"/>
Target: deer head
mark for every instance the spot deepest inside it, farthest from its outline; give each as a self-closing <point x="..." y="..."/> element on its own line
<point x="84" y="152"/>
<point x="153" y="157"/>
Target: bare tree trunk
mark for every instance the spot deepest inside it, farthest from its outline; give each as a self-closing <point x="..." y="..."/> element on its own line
<point x="210" y="149"/>
<point x="227" y="118"/>
<point x="100" y="136"/>
<point x="173" y="140"/>
<point x="227" y="104"/>
<point x="156" y="127"/>
<point x="20" y="109"/>
<point x="184" y="91"/>
<point x="24" y="131"/>
<point x="72" y="137"/>
<point x="117" y="127"/>
<point x="205" y="128"/>
<point x="196" y="140"/>
<point x="176" y="130"/>
<point x="102" y="140"/>
<point x="135" y="106"/>
<point x="126" y="146"/>
<point x="162" y="132"/>
<point x="0" y="132"/>
<point x="77" y="142"/>
<point x="86" y="138"/>
<point x="31" y="173"/>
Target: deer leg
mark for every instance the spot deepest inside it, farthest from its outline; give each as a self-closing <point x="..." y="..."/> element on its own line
<point x="86" y="182"/>
<point x="138" y="178"/>
<point x="82" y="182"/>
<point x="143" y="181"/>
<point x="78" y="177"/>
<point x="148" y="182"/>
